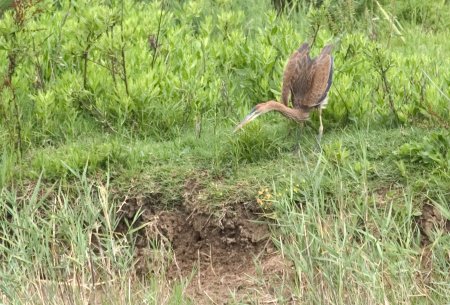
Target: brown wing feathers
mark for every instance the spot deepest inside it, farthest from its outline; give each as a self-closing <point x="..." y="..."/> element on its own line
<point x="289" y="72"/>
<point x="294" y="68"/>
<point x="307" y="80"/>
<point x="320" y="74"/>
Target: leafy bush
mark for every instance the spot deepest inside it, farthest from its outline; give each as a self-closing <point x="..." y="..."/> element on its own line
<point x="155" y="69"/>
<point x="433" y="150"/>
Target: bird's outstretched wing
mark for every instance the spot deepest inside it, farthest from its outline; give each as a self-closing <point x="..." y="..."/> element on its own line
<point x="294" y="72"/>
<point x="321" y="75"/>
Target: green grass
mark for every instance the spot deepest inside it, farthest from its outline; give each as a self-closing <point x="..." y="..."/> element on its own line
<point x="344" y="214"/>
<point x="76" y="143"/>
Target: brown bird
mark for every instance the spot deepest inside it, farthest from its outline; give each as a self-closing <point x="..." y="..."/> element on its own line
<point x="306" y="82"/>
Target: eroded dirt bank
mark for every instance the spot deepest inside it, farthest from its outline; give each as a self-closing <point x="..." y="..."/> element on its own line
<point x="224" y="254"/>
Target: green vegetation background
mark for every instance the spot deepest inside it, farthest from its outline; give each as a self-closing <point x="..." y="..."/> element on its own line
<point x="133" y="97"/>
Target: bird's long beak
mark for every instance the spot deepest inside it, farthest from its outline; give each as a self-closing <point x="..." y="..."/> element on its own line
<point x="250" y="117"/>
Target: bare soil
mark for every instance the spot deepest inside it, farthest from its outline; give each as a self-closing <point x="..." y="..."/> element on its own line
<point x="431" y="220"/>
<point x="226" y="256"/>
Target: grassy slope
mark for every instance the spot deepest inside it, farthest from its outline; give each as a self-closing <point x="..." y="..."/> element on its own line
<point x="344" y="211"/>
<point x="347" y="212"/>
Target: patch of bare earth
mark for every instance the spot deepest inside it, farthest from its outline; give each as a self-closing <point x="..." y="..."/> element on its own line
<point x="430" y="221"/>
<point x="226" y="256"/>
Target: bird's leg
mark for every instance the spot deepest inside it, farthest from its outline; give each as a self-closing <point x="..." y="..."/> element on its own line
<point x="302" y="125"/>
<point x="321" y="125"/>
<point x="299" y="131"/>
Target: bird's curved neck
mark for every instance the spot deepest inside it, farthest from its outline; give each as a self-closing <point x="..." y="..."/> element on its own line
<point x="295" y="114"/>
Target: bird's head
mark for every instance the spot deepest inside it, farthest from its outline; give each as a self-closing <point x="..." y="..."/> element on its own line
<point x="256" y="111"/>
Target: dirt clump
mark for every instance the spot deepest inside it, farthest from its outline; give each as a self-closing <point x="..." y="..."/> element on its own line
<point x="226" y="255"/>
<point x="431" y="220"/>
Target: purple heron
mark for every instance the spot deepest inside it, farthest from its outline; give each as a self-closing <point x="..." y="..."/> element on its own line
<point x="306" y="83"/>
